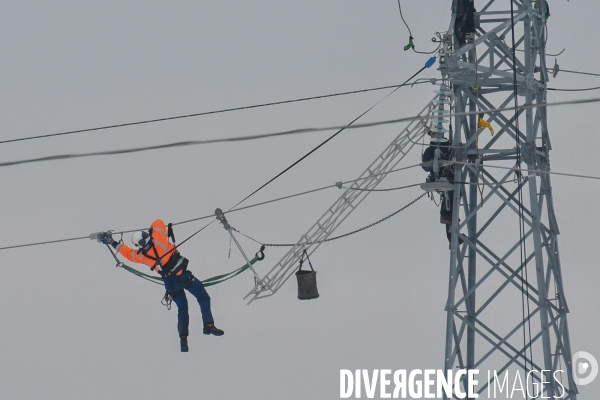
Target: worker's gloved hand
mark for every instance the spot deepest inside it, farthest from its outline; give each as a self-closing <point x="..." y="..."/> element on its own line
<point x="105" y="237"/>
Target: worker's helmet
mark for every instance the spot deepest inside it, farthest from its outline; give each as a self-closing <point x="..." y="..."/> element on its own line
<point x="140" y="239"/>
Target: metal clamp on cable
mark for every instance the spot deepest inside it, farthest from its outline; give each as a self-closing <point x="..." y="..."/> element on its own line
<point x="221" y="218"/>
<point x="107" y="239"/>
<point x="101" y="237"/>
<point x="261" y="253"/>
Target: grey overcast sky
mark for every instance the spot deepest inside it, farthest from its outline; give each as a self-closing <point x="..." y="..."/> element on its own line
<point x="75" y="327"/>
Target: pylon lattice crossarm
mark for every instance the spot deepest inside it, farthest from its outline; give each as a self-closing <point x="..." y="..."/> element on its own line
<point x="344" y="205"/>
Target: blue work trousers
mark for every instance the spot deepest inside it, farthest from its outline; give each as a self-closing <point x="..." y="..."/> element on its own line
<point x="176" y="286"/>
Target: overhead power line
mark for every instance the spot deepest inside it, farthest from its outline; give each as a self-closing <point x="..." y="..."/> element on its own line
<point x="47" y="242"/>
<point x="575" y="90"/>
<point x="427" y="65"/>
<point x="341" y="129"/>
<point x="284" y="133"/>
<point x="149" y="121"/>
<point x="336" y="185"/>
<point x="535" y="171"/>
<point x="345" y="234"/>
<point x="403" y="20"/>
<point x="579" y="72"/>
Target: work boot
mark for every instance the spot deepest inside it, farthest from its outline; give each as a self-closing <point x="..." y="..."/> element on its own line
<point x="211" y="329"/>
<point x="460" y="241"/>
<point x="184" y="344"/>
<point x="445" y="219"/>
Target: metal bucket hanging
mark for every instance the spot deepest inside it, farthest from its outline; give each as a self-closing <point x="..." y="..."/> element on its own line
<point x="307" y="280"/>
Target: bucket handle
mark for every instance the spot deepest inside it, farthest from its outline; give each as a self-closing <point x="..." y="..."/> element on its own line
<point x="302" y="261"/>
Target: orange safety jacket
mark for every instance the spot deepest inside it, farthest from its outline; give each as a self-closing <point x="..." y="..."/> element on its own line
<point x="161" y="248"/>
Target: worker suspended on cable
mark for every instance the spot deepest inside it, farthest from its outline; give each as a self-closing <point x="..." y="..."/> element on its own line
<point x="156" y="251"/>
<point x="445" y="172"/>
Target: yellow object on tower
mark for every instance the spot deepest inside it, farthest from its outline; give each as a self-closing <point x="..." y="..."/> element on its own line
<point x="484" y="124"/>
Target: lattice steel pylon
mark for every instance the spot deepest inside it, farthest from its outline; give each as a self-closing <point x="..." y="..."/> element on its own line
<point x="519" y="322"/>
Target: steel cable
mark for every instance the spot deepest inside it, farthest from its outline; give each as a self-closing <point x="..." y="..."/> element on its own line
<point x="198" y="114"/>
<point x="289" y="132"/>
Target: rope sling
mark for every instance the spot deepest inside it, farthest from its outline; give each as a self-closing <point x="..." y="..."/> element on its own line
<point x="215" y="280"/>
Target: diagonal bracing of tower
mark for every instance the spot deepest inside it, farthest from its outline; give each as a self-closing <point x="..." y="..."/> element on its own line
<point x="506" y="307"/>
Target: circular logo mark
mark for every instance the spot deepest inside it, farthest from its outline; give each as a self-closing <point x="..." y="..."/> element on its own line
<point x="586" y="370"/>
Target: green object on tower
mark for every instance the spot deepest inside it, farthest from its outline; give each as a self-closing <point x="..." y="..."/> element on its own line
<point x="410" y="44"/>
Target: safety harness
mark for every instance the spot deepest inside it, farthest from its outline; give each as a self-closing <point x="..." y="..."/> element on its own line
<point x="175" y="264"/>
